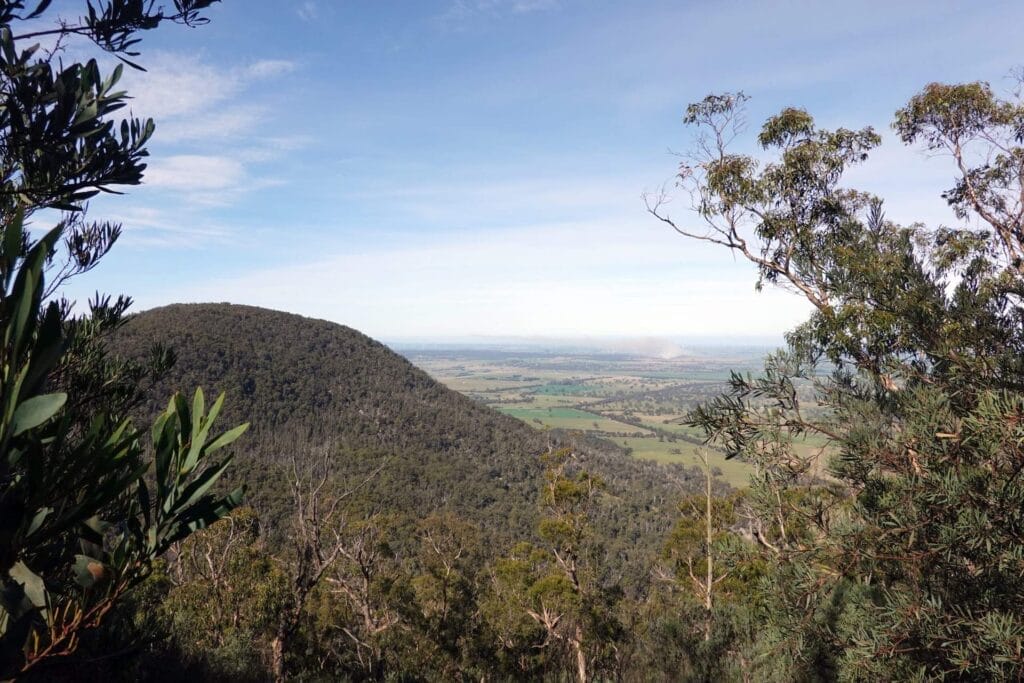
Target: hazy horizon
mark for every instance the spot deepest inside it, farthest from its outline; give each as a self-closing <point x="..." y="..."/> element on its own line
<point x="555" y="341"/>
<point x="457" y="168"/>
<point x="680" y="348"/>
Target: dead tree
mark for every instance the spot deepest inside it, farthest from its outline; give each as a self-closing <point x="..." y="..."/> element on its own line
<point x="317" y="545"/>
<point x="362" y="563"/>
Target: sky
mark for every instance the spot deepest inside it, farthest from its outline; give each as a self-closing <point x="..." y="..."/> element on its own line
<point x="456" y="169"/>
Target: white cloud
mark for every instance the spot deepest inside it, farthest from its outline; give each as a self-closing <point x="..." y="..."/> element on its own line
<point x="269" y="68"/>
<point x="177" y="85"/>
<point x="484" y="202"/>
<point x="148" y="226"/>
<point x="192" y="99"/>
<point x="194" y="172"/>
<point x="221" y="123"/>
<point x="461" y="12"/>
<point x="269" y="148"/>
<point x="523" y="6"/>
<point x="194" y="181"/>
<point x="547" y="279"/>
<point x="208" y="118"/>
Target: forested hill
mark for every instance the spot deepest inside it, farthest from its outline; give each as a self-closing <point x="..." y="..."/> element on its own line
<point x="309" y="385"/>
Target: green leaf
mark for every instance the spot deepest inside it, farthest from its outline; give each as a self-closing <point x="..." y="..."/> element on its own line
<point x="37" y="520"/>
<point x="194" y="491"/>
<point x="198" y="408"/>
<point x="227" y="438"/>
<point x="49" y="346"/>
<point x="201" y="433"/>
<point x="215" y="409"/>
<point x="35" y="411"/>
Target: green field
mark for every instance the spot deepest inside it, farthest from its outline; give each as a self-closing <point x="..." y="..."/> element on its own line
<point x="525" y="400"/>
<point x="567" y="418"/>
<point x="485" y="383"/>
<point x="735" y="472"/>
<point x="560" y="391"/>
<point x="672" y="424"/>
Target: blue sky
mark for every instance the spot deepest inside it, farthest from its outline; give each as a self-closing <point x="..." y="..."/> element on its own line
<point x="475" y="167"/>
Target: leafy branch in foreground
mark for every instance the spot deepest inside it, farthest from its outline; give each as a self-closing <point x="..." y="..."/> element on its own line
<point x="83" y="510"/>
<point x="80" y="523"/>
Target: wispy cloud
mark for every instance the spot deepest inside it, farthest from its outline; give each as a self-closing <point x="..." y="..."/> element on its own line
<point x="560" y="278"/>
<point x="486" y="176"/>
<point x="269" y="148"/>
<point x="308" y="11"/>
<point x="462" y="12"/>
<point x="147" y="227"/>
<point x="192" y="172"/>
<point x="525" y="6"/>
<point x="192" y="99"/>
<point x="462" y="200"/>
<point x="269" y="68"/>
<point x="229" y="122"/>
<point x="209" y="180"/>
<point x="210" y="121"/>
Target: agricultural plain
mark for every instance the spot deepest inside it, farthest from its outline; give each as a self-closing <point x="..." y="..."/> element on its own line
<point x="635" y="402"/>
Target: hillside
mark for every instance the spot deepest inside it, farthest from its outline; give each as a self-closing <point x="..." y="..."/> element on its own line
<point x="309" y="385"/>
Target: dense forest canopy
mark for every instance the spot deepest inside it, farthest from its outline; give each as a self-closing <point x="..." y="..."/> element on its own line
<point x="310" y="386"/>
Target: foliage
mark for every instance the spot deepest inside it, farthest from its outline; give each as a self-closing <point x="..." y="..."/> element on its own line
<point x="81" y="523"/>
<point x="318" y="386"/>
<point x="905" y="562"/>
<point x="559" y="585"/>
<point x="83" y="517"/>
<point x="226" y="592"/>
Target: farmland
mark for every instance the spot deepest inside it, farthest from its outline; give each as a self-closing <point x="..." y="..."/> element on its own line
<point x="637" y="403"/>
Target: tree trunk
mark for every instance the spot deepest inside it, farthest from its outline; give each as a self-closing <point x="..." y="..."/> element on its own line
<point x="278" y="657"/>
<point x="710" y="538"/>
<point x="280" y="645"/>
<point x="581" y="658"/>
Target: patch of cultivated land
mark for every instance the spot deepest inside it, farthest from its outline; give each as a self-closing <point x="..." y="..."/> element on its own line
<point x="670" y="424"/>
<point x="735" y="472"/>
<point x="637" y="403"/>
<point x="570" y="418"/>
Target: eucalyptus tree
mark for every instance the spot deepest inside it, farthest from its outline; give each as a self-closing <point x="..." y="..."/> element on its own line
<point x="903" y="558"/>
<point x="551" y="606"/>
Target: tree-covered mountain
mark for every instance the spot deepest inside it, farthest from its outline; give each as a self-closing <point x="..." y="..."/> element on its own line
<point x="310" y="386"/>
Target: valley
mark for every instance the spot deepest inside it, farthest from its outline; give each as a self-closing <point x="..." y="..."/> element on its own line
<point x="636" y="402"/>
